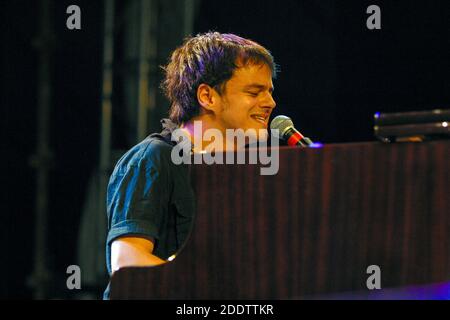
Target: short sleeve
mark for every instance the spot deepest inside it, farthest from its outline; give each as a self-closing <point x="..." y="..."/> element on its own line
<point x="137" y="196"/>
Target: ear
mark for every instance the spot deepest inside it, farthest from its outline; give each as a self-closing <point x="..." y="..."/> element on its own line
<point x="207" y="97"/>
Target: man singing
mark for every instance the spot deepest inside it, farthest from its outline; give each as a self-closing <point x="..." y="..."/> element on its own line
<point x="221" y="80"/>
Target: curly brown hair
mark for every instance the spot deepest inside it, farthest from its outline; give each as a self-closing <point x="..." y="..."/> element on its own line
<point x="208" y="58"/>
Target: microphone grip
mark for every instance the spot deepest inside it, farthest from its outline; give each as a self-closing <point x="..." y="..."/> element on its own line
<point x="307" y="141"/>
<point x="295" y="138"/>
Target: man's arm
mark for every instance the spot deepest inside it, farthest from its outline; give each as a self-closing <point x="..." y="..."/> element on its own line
<point x="133" y="251"/>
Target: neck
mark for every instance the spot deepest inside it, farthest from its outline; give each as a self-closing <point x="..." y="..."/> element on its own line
<point x="196" y="128"/>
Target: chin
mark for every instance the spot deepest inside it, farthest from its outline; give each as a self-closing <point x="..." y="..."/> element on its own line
<point x="250" y="133"/>
<point x="258" y="134"/>
<point x="263" y="134"/>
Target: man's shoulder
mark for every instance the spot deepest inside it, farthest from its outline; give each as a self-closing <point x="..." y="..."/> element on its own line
<point x="155" y="143"/>
<point x="154" y="151"/>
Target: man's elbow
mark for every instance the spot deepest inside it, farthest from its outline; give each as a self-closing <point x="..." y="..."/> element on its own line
<point x="133" y="252"/>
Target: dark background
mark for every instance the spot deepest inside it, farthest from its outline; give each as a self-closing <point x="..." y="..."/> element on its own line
<point x="335" y="74"/>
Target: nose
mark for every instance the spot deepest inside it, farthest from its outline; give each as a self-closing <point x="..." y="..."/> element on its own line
<point x="269" y="102"/>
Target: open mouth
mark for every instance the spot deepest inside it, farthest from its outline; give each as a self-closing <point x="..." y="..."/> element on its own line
<point x="260" y="118"/>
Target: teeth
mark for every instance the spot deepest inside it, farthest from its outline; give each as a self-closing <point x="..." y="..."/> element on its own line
<point x="260" y="118"/>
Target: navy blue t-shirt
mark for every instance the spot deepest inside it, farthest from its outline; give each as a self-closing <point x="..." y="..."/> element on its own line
<point x="149" y="196"/>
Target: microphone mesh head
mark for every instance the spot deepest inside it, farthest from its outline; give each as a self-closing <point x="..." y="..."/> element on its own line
<point x="282" y="123"/>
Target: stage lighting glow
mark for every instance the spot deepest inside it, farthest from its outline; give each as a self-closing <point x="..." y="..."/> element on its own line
<point x="316" y="145"/>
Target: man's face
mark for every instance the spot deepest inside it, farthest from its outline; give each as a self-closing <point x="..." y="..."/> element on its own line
<point x="247" y="101"/>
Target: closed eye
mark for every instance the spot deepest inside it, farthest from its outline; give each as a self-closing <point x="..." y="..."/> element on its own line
<point x="255" y="89"/>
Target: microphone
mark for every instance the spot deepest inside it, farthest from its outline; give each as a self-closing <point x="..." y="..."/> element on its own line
<point x="286" y="131"/>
